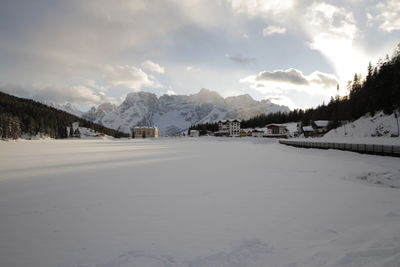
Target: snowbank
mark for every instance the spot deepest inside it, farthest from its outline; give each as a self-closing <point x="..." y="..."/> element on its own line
<point x="380" y="125"/>
<point x="380" y="129"/>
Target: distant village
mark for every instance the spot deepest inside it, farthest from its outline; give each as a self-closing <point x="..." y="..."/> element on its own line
<point x="231" y="128"/>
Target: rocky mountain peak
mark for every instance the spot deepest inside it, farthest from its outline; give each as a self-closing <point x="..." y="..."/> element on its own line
<point x="207" y="96"/>
<point x="134" y="97"/>
<point x="245" y="99"/>
<point x="106" y="107"/>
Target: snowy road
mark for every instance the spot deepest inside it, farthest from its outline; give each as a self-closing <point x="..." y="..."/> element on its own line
<point x="195" y="202"/>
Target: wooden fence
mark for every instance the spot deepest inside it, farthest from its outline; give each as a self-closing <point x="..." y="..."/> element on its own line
<point x="387" y="150"/>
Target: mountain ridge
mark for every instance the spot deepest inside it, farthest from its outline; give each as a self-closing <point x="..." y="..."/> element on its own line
<point x="175" y="113"/>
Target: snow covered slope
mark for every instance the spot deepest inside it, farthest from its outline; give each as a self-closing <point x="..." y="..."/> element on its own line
<point x="379" y="125"/>
<point x="173" y="113"/>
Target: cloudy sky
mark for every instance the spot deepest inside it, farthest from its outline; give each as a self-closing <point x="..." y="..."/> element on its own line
<point x="90" y="51"/>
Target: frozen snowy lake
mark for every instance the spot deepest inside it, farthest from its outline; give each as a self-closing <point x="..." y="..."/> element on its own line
<point x="195" y="202"/>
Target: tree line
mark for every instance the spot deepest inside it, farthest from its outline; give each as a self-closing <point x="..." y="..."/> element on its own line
<point x="25" y="116"/>
<point x="204" y="127"/>
<point x="379" y="90"/>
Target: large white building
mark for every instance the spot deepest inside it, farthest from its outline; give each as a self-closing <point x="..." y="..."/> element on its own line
<point x="229" y="128"/>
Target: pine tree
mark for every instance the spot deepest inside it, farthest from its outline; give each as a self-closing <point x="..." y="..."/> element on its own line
<point x="71" y="131"/>
<point x="370" y="71"/>
<point x="77" y="133"/>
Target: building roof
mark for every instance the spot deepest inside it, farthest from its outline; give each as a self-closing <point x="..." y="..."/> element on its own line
<point x="249" y="130"/>
<point x="276" y="125"/>
<point x="308" y="129"/>
<point x="321" y="123"/>
<point x="223" y="121"/>
<point x="144" y="127"/>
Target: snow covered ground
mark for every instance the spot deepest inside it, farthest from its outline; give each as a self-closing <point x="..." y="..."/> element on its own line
<point x="195" y="202"/>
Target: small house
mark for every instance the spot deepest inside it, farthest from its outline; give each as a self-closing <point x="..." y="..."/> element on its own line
<point x="308" y="131"/>
<point x="321" y="126"/>
<point x="246" y="132"/>
<point x="276" y="130"/>
<point x="257" y="133"/>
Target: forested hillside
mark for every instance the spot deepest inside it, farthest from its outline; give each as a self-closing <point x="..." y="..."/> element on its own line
<point x="379" y="90"/>
<point x="19" y="115"/>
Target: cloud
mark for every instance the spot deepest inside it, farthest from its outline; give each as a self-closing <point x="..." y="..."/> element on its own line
<point x="271" y="30"/>
<point x="152" y="66"/>
<point x="86" y="91"/>
<point x="60" y="95"/>
<point x="329" y="23"/>
<point x="128" y="76"/>
<point x="324" y="79"/>
<point x="387" y="14"/>
<point x="279" y="81"/>
<point x="292" y="88"/>
<point x="287" y="76"/>
<point x="72" y="94"/>
<point x="67" y="41"/>
<point x="242" y="60"/>
<point x="261" y="8"/>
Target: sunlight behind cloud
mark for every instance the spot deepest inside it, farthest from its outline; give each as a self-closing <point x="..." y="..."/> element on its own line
<point x="333" y="31"/>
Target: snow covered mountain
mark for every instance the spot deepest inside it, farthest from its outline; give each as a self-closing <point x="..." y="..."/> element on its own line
<point x="71" y="109"/>
<point x="96" y="114"/>
<point x="174" y="113"/>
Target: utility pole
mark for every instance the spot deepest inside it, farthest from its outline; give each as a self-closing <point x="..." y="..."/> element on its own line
<point x="397" y="119"/>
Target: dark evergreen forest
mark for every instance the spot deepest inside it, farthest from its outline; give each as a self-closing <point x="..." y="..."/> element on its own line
<point x="20" y="115"/>
<point x="379" y="90"/>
